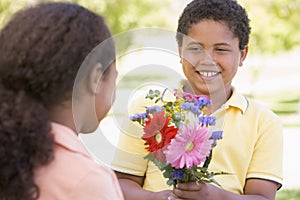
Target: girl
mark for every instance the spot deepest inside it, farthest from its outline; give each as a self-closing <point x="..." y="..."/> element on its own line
<point x="42" y="49"/>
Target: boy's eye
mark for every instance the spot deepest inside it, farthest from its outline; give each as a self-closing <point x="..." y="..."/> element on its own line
<point x="194" y="48"/>
<point x="222" y="49"/>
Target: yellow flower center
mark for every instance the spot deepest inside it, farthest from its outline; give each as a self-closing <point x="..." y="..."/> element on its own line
<point x="158" y="137"/>
<point x="189" y="146"/>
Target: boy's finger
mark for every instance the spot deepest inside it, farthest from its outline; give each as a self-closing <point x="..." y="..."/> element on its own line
<point x="190" y="186"/>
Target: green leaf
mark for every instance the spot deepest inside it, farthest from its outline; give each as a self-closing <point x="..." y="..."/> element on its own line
<point x="157" y="100"/>
<point x="168" y="173"/>
<point x="157" y="163"/>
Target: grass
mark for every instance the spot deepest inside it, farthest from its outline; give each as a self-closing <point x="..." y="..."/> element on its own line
<point x="133" y="80"/>
<point x="286" y="105"/>
<point x="291" y="194"/>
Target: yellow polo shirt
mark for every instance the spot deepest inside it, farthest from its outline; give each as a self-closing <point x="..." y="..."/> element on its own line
<point x="251" y="147"/>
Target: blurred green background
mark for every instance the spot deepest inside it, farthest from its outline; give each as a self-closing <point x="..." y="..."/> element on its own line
<point x="275" y="23"/>
<point x="275" y="33"/>
<point x="272" y="72"/>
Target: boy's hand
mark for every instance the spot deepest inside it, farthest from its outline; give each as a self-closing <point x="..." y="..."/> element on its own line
<point x="193" y="190"/>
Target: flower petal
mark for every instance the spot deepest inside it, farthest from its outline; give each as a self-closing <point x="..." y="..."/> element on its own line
<point x="178" y="156"/>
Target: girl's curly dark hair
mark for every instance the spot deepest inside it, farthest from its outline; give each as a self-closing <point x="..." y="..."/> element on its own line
<point x="25" y="143"/>
<point x="42" y="48"/>
<point x="228" y="11"/>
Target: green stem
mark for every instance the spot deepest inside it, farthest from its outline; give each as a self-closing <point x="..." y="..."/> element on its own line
<point x="208" y="159"/>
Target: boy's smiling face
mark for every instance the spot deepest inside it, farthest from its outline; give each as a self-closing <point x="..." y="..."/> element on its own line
<point x="210" y="56"/>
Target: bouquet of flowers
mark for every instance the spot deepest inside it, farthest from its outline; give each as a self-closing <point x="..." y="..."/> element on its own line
<point x="178" y="137"/>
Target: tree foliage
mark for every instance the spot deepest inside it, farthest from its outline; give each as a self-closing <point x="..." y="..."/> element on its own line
<point x="275" y="23"/>
<point x="120" y="15"/>
<point x="8" y="7"/>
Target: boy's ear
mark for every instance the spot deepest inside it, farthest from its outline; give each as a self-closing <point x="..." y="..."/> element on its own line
<point x="94" y="78"/>
<point x="244" y="53"/>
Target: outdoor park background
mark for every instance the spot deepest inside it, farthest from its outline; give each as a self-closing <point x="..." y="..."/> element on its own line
<point x="270" y="74"/>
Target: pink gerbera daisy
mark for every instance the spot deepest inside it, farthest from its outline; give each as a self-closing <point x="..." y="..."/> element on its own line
<point x="190" y="147"/>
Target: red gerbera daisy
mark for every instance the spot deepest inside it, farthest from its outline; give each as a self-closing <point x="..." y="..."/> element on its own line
<point x="158" y="134"/>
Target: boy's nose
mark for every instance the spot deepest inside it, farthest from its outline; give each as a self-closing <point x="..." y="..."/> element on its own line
<point x="206" y="58"/>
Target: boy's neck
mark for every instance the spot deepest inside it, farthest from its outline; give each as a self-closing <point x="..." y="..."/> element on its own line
<point x="219" y="98"/>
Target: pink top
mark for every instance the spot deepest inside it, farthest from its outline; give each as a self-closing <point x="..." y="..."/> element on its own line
<point x="73" y="174"/>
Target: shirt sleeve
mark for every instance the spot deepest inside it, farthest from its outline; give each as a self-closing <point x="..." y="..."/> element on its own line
<point x="130" y="151"/>
<point x="266" y="162"/>
<point x="98" y="184"/>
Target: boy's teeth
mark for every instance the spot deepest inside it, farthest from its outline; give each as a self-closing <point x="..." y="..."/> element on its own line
<point x="208" y="74"/>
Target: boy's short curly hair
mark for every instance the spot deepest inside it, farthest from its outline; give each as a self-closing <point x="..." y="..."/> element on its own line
<point x="228" y="11"/>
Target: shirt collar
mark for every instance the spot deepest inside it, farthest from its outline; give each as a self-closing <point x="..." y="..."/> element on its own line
<point x="237" y="100"/>
<point x="67" y="138"/>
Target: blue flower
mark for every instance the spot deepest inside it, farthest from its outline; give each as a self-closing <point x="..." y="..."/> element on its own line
<point x="138" y="116"/>
<point x="186" y="105"/>
<point x="217" y="135"/>
<point x="207" y="120"/>
<point x="202" y="102"/>
<point x="195" y="110"/>
<point x="178" y="174"/>
<point x="190" y="106"/>
<point x="152" y="109"/>
<point x="132" y="118"/>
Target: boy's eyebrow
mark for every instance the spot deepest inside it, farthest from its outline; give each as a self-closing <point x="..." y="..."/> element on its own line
<point x="193" y="42"/>
<point x="222" y="44"/>
<point x="216" y="44"/>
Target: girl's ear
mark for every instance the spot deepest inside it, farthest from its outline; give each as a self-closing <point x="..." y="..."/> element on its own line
<point x="94" y="77"/>
<point x="244" y="53"/>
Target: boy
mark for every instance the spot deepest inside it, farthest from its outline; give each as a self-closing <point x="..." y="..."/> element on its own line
<point x="212" y="41"/>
